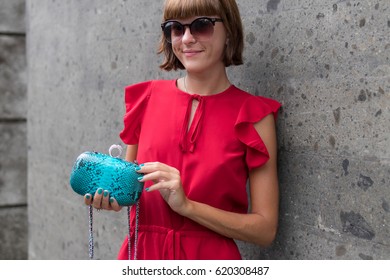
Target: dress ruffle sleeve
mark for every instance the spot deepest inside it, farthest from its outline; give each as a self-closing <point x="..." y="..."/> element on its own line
<point x="136" y="100"/>
<point x="252" y="111"/>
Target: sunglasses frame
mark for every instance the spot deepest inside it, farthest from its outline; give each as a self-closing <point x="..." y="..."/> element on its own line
<point x="189" y="25"/>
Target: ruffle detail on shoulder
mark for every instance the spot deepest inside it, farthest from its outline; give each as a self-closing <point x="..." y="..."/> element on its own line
<point x="136" y="100"/>
<point x="254" y="109"/>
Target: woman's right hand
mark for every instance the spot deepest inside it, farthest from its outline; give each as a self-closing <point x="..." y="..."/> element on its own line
<point x="102" y="200"/>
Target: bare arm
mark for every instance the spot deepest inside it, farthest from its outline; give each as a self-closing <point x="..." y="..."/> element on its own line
<point x="131" y="153"/>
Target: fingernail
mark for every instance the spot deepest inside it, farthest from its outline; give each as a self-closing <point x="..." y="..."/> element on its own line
<point x="140" y="178"/>
<point x="100" y="191"/>
<point x="88" y="196"/>
<point x="138" y="168"/>
<point x="112" y="200"/>
<point x="105" y="193"/>
<point x="147" y="189"/>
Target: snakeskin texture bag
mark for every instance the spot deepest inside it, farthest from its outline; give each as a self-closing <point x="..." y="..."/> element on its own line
<point x="93" y="170"/>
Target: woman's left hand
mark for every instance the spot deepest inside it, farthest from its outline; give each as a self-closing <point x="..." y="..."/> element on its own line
<point x="167" y="180"/>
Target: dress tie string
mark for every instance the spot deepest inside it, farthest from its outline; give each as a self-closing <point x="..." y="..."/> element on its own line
<point x="189" y="135"/>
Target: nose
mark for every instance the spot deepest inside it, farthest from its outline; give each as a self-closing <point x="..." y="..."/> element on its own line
<point x="187" y="36"/>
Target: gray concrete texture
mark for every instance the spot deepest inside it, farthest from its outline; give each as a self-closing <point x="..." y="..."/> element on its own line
<point x="12" y="16"/>
<point x="13" y="131"/>
<point x="326" y="61"/>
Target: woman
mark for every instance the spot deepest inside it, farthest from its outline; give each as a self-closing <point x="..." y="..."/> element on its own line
<point x="199" y="139"/>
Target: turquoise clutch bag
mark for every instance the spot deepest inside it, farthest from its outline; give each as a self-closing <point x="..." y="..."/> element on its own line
<point x="93" y="170"/>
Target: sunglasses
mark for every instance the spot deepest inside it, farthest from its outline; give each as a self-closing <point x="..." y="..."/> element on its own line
<point x="201" y="28"/>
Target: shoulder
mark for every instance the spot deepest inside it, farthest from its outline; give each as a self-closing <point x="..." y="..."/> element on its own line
<point x="145" y="85"/>
<point x="144" y="89"/>
<point x="139" y="87"/>
<point x="253" y="107"/>
<point x="249" y="97"/>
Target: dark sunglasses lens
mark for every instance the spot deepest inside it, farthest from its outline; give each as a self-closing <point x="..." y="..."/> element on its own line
<point x="202" y="28"/>
<point x="173" y="31"/>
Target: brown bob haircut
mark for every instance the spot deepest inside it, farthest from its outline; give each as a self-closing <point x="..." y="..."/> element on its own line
<point x="227" y="10"/>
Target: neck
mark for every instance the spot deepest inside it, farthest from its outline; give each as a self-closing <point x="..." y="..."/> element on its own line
<point x="203" y="84"/>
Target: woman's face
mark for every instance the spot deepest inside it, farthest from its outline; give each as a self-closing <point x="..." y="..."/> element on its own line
<point x="199" y="54"/>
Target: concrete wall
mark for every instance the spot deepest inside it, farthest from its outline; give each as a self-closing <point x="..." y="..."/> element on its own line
<point x="326" y="61"/>
<point x="13" y="131"/>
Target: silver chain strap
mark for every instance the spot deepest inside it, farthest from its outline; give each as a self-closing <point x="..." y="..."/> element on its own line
<point x="91" y="241"/>
<point x="91" y="245"/>
<point x="135" y="232"/>
<point x="129" y="233"/>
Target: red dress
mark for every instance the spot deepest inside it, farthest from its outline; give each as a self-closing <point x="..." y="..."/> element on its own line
<point x="213" y="156"/>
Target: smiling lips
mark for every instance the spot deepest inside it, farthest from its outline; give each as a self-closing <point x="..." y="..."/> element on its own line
<point x="190" y="53"/>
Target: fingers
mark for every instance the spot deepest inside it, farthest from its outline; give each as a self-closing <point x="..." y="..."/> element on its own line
<point x="97" y="199"/>
<point x="105" y="200"/>
<point x="157" y="172"/>
<point x="114" y="205"/>
<point x="102" y="200"/>
<point x="88" y="199"/>
<point x="148" y="167"/>
<point x="163" y="176"/>
<point x="156" y="177"/>
<point x="161" y="185"/>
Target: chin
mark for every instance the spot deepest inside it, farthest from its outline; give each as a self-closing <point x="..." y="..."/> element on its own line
<point x="194" y="68"/>
<point x="199" y="67"/>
